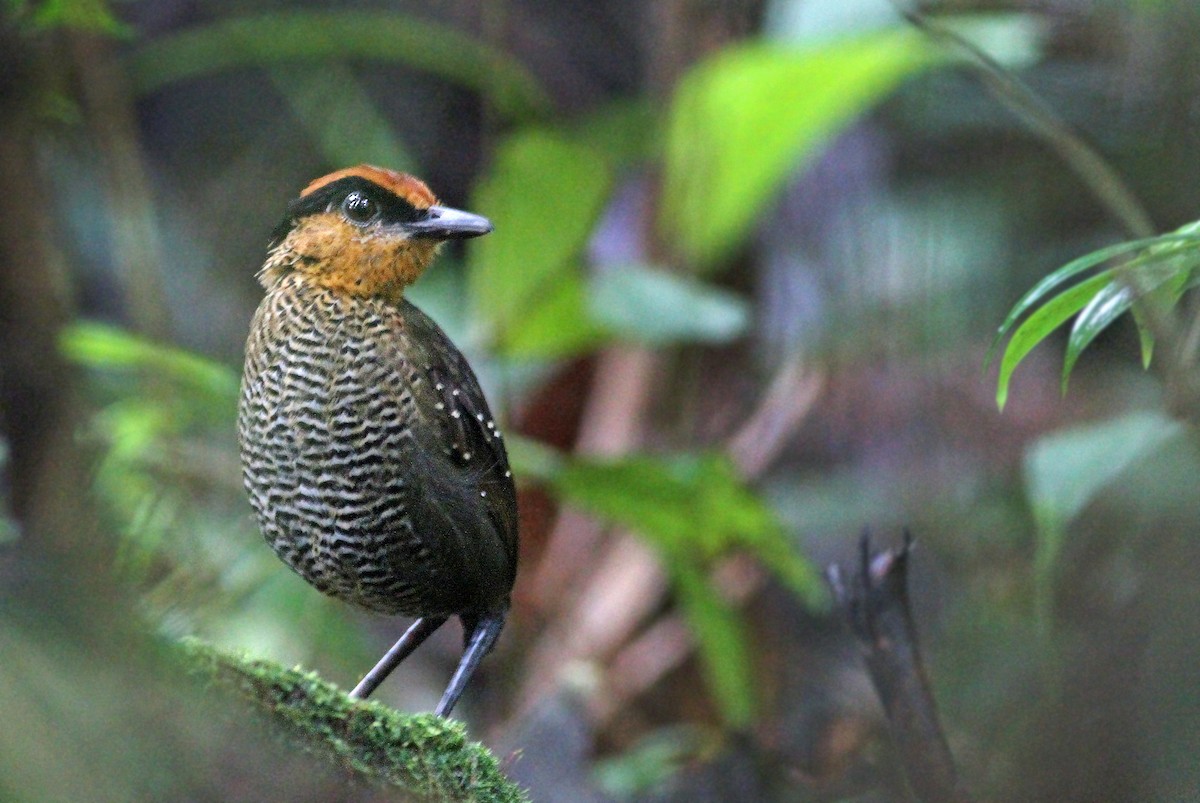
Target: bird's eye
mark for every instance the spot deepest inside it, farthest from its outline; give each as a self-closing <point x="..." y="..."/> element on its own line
<point x="358" y="208"/>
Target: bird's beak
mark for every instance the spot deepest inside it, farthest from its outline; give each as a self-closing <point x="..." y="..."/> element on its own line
<point x="444" y="223"/>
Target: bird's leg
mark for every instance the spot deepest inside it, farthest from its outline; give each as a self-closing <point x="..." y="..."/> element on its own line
<point x="412" y="638"/>
<point x="481" y="633"/>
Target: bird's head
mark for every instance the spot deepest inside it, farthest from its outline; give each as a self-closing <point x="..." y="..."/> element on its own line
<point x="365" y="231"/>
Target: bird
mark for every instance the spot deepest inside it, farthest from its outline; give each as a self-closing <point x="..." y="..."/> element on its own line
<point x="372" y="462"/>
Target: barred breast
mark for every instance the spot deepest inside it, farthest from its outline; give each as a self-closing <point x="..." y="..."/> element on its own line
<point x="372" y="462"/>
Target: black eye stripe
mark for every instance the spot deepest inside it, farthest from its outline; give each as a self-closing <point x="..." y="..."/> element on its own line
<point x="392" y="209"/>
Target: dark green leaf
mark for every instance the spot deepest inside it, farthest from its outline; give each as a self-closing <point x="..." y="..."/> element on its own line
<point x="1113" y="301"/>
<point x="655" y="307"/>
<point x="1159" y="276"/>
<point x="1131" y="282"/>
<point x="1167" y="296"/>
<point x="1041" y="323"/>
<point x="1069" y="271"/>
<point x="317" y="36"/>
<point x="743" y="121"/>
<point x="1145" y="338"/>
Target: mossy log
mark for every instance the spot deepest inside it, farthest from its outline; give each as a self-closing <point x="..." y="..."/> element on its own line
<point x="424" y="754"/>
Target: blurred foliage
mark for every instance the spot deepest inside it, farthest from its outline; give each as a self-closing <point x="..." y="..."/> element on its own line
<point x="649" y="765"/>
<point x="169" y="479"/>
<point x="657" y="308"/>
<point x="423" y="754"/>
<point x="1065" y="470"/>
<point x="348" y="128"/>
<point x="752" y="115"/>
<point x="93" y="16"/>
<point x="1154" y="274"/>
<point x="528" y="286"/>
<point x="208" y="385"/>
<point x="693" y="508"/>
<point x="544" y="194"/>
<point x="316" y="36"/>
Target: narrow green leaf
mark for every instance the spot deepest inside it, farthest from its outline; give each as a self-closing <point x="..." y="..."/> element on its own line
<point x="1193" y="281"/>
<point x="1171" y="256"/>
<point x="1113" y="300"/>
<point x="1135" y="280"/>
<point x="330" y="103"/>
<point x="1041" y="323"/>
<point x="1168" y="295"/>
<point x="318" y="36"/>
<point x="720" y="637"/>
<point x="1069" y="271"/>
<point x="544" y="194"/>
<point x="1184" y="238"/>
<point x="743" y="121"/>
<point x="1145" y="338"/>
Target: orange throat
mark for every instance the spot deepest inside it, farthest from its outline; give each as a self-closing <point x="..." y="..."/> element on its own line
<point x="335" y="254"/>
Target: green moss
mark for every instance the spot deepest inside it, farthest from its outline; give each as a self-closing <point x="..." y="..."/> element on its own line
<point x="424" y="754"/>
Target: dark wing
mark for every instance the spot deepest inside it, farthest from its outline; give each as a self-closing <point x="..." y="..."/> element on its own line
<point x="469" y="441"/>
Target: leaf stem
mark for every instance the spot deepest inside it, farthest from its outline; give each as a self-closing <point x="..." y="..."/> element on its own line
<point x="1095" y="171"/>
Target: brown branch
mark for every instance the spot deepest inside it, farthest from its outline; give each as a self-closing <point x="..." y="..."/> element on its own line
<point x="784" y="407"/>
<point x="874" y="602"/>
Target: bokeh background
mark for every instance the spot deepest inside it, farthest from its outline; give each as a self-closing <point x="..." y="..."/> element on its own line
<point x="749" y="259"/>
